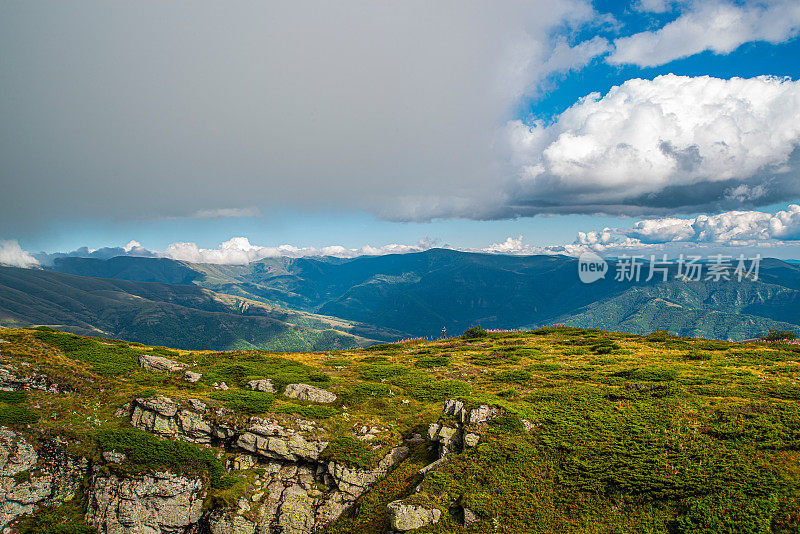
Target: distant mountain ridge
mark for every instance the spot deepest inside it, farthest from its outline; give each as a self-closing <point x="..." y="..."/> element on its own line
<point x="186" y="316"/>
<point x="418" y="294"/>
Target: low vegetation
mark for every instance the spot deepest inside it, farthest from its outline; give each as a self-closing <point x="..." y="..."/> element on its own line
<point x="600" y="431"/>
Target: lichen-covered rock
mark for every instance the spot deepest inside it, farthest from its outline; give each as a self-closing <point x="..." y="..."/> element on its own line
<point x="153" y="504"/>
<point x="263" y="384"/>
<point x="16" y="380"/>
<point x="30" y="478"/>
<point x="449" y="438"/>
<point x="192" y="377"/>
<point x="471" y="440"/>
<point x="309" y="393"/>
<point x="355" y="482"/>
<point x="404" y="517"/>
<point x="159" y="363"/>
<point x="114" y="457"/>
<point x="276" y="441"/>
<point x="161" y="415"/>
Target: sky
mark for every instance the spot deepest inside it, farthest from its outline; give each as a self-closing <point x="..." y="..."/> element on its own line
<point x="225" y="133"/>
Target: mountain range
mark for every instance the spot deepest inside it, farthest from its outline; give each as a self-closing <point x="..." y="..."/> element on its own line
<point x="320" y="303"/>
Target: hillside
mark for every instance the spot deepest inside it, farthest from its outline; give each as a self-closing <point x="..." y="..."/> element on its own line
<point x="555" y="430"/>
<point x="419" y="294"/>
<point x="184" y="316"/>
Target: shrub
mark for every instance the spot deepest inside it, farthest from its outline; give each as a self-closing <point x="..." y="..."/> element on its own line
<point x="350" y="451"/>
<point x="518" y="376"/>
<point x="65" y="519"/>
<point x="11" y="410"/>
<point x="432" y="361"/>
<point x="112" y="359"/>
<point x="145" y="452"/>
<point x="364" y="390"/>
<point x="13" y="397"/>
<point x="508" y="423"/>
<point x="474" y="332"/>
<point x="281" y="371"/>
<point x="651" y="374"/>
<point x="251" y="402"/>
<point x="494" y="358"/>
<point x="730" y="512"/>
<point x="310" y="411"/>
<point x="780" y="335"/>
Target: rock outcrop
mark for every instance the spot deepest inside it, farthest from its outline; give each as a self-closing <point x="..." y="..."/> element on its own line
<point x="297" y="490"/>
<point x="162" y="416"/>
<point x="17" y="380"/>
<point x="404" y="517"/>
<point x="30" y="478"/>
<point x="192" y="377"/>
<point x="160" y="363"/>
<point x="309" y="393"/>
<point x="272" y="440"/>
<point x="465" y="432"/>
<point x="263" y="384"/>
<point x="154" y="504"/>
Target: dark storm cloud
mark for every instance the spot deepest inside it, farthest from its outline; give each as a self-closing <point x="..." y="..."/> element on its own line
<point x="164" y="109"/>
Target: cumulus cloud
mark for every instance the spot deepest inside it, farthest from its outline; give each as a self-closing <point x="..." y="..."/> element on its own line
<point x="719" y="27"/>
<point x="674" y="143"/>
<point x="12" y="254"/>
<point x="730" y="227"/>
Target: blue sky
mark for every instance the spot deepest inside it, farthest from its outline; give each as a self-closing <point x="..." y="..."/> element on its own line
<point x="260" y="123"/>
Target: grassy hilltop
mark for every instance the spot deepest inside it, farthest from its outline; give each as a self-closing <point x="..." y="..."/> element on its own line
<point x="599" y="431"/>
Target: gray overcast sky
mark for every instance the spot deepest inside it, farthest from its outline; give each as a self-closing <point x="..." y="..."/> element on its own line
<point x="141" y="109"/>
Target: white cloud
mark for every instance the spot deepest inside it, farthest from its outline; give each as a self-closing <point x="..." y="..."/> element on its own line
<point x="729" y="227"/>
<point x="719" y="27"/>
<point x="239" y="251"/>
<point x="565" y="58"/>
<point x="12" y="254"/>
<point x="668" y="144"/>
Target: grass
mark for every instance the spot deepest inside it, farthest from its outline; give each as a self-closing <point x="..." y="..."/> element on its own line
<point x="250" y="402"/>
<point x="652" y="434"/>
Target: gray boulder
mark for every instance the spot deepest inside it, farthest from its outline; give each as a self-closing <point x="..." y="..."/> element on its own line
<point x="309" y="393"/>
<point x="159" y="363"/>
<point x="263" y="384"/>
<point x="192" y="377"/>
<point x="405" y="517"/>
<point x="160" y="503"/>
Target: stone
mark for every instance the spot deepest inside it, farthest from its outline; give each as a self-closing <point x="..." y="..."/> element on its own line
<point x="222" y="385"/>
<point x="160" y="503"/>
<point x="114" y="457"/>
<point x="49" y="477"/>
<point x="482" y="414"/>
<point x="469" y="517"/>
<point x="405" y="517"/>
<point x="263" y="384"/>
<point x="309" y="393"/>
<point x="159" y="363"/>
<point x="192" y="377"/>
<point x="471" y="440"/>
<point x="197" y="404"/>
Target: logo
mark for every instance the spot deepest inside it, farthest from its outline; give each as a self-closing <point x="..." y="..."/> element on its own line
<point x="591" y="267"/>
